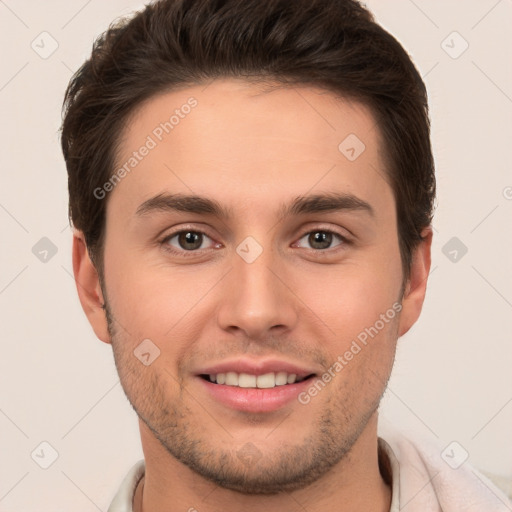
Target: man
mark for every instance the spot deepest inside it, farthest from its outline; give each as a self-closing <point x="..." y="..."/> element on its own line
<point x="251" y="186"/>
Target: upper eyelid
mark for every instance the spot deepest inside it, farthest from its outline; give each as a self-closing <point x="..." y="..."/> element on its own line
<point x="335" y="233"/>
<point x="170" y="236"/>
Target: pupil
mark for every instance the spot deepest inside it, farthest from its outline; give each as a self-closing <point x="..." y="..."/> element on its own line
<point x="190" y="240"/>
<point x="320" y="240"/>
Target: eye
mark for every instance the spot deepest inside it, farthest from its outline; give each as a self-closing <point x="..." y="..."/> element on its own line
<point x="321" y="240"/>
<point x="186" y="240"/>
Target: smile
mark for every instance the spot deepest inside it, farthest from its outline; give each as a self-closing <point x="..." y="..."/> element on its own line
<point x="247" y="380"/>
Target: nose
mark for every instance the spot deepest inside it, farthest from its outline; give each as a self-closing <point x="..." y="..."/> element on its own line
<point x="257" y="299"/>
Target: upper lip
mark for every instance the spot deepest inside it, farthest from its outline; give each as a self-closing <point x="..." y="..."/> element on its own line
<point x="256" y="367"/>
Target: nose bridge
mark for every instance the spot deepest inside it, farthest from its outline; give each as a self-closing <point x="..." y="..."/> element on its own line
<point x="256" y="300"/>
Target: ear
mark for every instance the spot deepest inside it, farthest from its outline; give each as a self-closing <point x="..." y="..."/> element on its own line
<point x="88" y="287"/>
<point x="416" y="285"/>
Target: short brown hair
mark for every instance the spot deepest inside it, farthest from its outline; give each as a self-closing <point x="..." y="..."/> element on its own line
<point x="332" y="44"/>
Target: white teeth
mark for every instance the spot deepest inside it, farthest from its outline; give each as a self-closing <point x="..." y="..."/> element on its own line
<point x="246" y="380"/>
<point x="281" y="378"/>
<point x="231" y="379"/>
<point x="266" y="381"/>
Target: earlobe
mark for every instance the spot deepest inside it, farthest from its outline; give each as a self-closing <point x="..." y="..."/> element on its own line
<point x="88" y="287"/>
<point x="416" y="286"/>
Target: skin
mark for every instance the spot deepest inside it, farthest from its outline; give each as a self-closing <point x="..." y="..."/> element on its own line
<point x="253" y="151"/>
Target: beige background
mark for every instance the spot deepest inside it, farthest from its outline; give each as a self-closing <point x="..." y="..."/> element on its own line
<point x="452" y="379"/>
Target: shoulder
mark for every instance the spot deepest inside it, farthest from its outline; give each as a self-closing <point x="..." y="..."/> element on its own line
<point x="123" y="500"/>
<point x="428" y="477"/>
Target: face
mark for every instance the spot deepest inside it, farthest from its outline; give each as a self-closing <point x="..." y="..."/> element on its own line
<point x="259" y="260"/>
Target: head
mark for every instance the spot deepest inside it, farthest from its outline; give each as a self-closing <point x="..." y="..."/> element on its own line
<point x="252" y="187"/>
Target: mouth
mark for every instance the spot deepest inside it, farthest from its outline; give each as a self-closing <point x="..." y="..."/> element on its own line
<point x="255" y="386"/>
<point x="263" y="381"/>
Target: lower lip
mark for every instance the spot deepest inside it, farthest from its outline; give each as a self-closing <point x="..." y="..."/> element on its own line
<point x="255" y="399"/>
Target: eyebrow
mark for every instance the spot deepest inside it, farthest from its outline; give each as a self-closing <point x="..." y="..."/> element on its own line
<point x="317" y="203"/>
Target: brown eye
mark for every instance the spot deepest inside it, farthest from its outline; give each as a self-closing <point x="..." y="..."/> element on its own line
<point x="187" y="241"/>
<point x="320" y="240"/>
<point x="190" y="240"/>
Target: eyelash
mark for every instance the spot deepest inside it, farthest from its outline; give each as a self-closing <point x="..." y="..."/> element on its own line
<point x="344" y="241"/>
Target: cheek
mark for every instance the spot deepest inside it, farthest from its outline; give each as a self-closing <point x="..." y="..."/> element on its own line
<point x="170" y="306"/>
<point x="352" y="297"/>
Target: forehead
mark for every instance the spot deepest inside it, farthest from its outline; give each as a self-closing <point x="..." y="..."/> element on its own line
<point x="243" y="143"/>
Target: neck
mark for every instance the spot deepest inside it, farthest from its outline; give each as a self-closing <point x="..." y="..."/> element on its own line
<point x="354" y="484"/>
